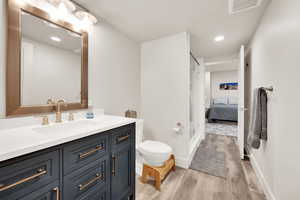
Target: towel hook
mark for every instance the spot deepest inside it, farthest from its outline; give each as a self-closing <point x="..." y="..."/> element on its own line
<point x="271" y="89"/>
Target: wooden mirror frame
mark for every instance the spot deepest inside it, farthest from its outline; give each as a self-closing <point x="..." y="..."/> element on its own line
<point x="13" y="65"/>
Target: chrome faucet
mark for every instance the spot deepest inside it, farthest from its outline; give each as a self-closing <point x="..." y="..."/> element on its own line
<point x="57" y="105"/>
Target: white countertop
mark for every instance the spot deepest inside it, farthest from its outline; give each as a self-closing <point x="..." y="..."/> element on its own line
<point x="19" y="141"/>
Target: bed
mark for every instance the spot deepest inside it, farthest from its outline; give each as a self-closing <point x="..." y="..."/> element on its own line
<point x="223" y="111"/>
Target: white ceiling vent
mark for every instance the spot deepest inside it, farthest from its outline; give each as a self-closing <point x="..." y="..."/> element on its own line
<point x="236" y="6"/>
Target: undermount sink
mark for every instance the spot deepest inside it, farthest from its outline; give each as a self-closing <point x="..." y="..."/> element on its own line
<point x="67" y="127"/>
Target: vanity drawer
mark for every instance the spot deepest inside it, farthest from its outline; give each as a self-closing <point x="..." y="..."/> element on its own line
<point x="123" y="136"/>
<point x="87" y="179"/>
<point x="28" y="175"/>
<point x="49" y="192"/>
<point x="79" y="153"/>
<point x="97" y="194"/>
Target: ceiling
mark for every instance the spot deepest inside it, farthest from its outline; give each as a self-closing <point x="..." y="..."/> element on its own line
<point x="39" y="30"/>
<point x="143" y="20"/>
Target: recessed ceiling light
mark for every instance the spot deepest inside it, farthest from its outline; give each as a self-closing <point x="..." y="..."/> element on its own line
<point x="56" y="39"/>
<point x="219" y="38"/>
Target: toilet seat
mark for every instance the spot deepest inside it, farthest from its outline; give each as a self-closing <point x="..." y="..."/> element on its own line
<point x="155" y="153"/>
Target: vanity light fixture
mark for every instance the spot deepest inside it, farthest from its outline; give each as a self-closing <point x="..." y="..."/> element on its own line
<point x="36" y="3"/>
<point x="55" y="39"/>
<point x="20" y="2"/>
<point x="219" y="38"/>
<point x="24" y="2"/>
<point x="86" y="17"/>
<point x="54" y="2"/>
<point x="66" y="6"/>
<point x="61" y="9"/>
<point x="65" y="10"/>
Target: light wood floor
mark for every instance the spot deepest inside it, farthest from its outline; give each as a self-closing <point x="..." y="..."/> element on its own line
<point x="186" y="184"/>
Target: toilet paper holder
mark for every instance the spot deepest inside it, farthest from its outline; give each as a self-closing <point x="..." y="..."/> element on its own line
<point x="178" y="128"/>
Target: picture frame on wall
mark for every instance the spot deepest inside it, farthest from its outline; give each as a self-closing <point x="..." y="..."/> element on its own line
<point x="229" y="86"/>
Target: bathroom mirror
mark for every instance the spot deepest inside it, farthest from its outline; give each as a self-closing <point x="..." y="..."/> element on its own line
<point x="47" y="59"/>
<point x="50" y="62"/>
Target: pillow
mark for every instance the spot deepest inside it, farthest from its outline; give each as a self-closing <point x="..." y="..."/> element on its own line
<point x="220" y="101"/>
<point x="233" y="101"/>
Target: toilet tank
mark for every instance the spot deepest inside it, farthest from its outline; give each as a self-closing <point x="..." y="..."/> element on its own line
<point x="139" y="131"/>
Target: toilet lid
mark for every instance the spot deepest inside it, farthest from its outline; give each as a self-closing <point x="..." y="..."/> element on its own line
<point x="155" y="147"/>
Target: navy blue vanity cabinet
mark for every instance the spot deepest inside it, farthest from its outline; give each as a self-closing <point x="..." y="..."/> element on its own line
<point x="49" y="192"/>
<point x="97" y="167"/>
<point x="25" y="175"/>
<point x="96" y="194"/>
<point x="79" y="153"/>
<point x="93" y="176"/>
<point x="123" y="163"/>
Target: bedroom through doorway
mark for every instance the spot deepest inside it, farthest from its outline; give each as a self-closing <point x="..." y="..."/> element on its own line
<point x="221" y="98"/>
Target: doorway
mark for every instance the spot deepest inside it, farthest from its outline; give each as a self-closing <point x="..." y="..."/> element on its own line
<point x="221" y="96"/>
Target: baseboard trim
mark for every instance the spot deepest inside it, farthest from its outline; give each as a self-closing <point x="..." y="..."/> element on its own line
<point x="261" y="178"/>
<point x="194" y="146"/>
<point x="181" y="162"/>
<point x="186" y="162"/>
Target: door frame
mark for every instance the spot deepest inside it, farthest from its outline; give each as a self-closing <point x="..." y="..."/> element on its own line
<point x="241" y="105"/>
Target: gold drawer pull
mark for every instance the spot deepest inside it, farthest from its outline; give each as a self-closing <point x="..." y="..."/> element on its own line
<point x="121" y="139"/>
<point x="83" y="186"/>
<point x="84" y="155"/>
<point x="57" y="193"/>
<point x="40" y="173"/>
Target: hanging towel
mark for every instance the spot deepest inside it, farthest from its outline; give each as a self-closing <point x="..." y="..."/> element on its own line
<point x="258" y="124"/>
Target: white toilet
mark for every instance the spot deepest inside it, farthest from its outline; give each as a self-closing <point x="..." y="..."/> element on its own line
<point x="153" y="153"/>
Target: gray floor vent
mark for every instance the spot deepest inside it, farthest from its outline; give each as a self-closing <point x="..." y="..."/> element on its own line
<point x="236" y="6"/>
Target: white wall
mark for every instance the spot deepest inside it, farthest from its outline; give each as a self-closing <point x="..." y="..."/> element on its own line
<point x="2" y="56"/>
<point x="49" y="72"/>
<point x="207" y="89"/>
<point x="223" y="77"/>
<point x="165" y="91"/>
<point x="275" y="61"/>
<point x="114" y="71"/>
<point x="114" y="68"/>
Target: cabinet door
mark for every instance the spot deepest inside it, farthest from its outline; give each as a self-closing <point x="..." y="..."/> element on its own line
<point x="122" y="172"/>
<point x="49" y="192"/>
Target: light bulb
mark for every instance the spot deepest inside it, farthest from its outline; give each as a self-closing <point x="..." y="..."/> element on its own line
<point x="21" y="2"/>
<point x="62" y="8"/>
